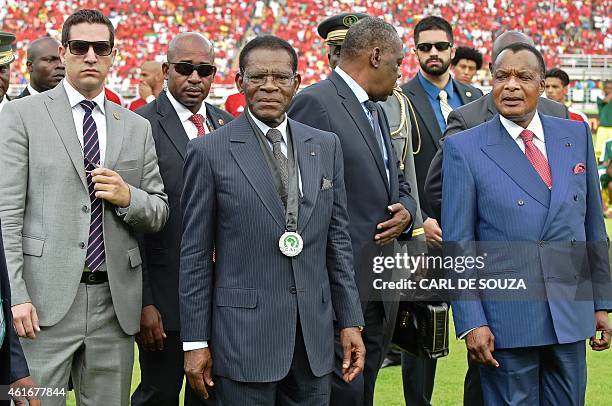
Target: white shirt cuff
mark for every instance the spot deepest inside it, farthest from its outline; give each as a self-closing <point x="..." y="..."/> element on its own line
<point x="194" y="345"/>
<point x="150" y="98"/>
<point x="462" y="336"/>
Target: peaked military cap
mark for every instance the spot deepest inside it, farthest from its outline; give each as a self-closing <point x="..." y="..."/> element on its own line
<point x="6" y="48"/>
<point x="333" y="29"/>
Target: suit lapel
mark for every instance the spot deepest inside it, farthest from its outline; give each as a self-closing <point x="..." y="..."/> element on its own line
<point x="171" y="124"/>
<point x="502" y="149"/>
<point x="115" y="133"/>
<point x="247" y="153"/>
<point x="465" y="94"/>
<point x="308" y="155"/>
<point x="60" y="113"/>
<point x="558" y="154"/>
<point x="424" y="110"/>
<point x="355" y="110"/>
<point x="216" y="119"/>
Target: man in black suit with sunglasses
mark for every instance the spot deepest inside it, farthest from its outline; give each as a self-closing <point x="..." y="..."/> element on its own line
<point x="434" y="94"/>
<point x="176" y="116"/>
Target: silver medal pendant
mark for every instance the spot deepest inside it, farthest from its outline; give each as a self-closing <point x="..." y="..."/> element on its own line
<point x="290" y="243"/>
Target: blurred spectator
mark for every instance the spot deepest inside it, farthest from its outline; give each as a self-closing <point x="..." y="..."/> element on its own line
<point x="151" y="84"/>
<point x="606" y="190"/>
<point x="113" y="96"/>
<point x="604" y="131"/>
<point x="465" y="64"/>
<point x="234" y="104"/>
<point x="557" y="87"/>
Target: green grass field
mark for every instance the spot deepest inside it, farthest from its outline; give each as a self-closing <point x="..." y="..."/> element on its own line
<point x="448" y="389"/>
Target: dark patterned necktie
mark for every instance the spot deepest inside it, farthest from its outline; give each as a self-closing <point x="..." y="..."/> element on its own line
<point x="91" y="156"/>
<point x="275" y="137"/>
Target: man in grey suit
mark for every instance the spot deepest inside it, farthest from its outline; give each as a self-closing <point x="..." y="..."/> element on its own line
<point x="80" y="176"/>
<point x="264" y="195"/>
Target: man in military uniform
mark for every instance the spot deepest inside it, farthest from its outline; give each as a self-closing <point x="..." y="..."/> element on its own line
<point x="7" y="56"/>
<point x="418" y="373"/>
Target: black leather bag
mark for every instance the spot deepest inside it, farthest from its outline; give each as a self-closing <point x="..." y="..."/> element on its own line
<point x="422" y="328"/>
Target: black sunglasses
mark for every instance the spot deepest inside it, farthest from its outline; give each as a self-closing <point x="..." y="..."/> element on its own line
<point x="440" y="46"/>
<point x="79" y="47"/>
<point x="186" y="68"/>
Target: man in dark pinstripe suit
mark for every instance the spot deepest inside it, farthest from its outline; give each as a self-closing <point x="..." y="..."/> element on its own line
<point x="258" y="319"/>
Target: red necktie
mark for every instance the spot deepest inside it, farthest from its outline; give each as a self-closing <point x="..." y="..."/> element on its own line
<point x="537" y="159"/>
<point x="198" y="120"/>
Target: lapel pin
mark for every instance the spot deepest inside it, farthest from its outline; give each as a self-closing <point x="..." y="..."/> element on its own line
<point x="116" y="115"/>
<point x="313" y="153"/>
<point x="468" y="93"/>
<point x="568" y="145"/>
<point x="221" y="122"/>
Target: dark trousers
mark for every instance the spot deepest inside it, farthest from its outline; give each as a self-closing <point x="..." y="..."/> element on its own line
<point x="418" y="376"/>
<point x="361" y="390"/>
<point x="472" y="388"/>
<point x="299" y="388"/>
<point x="161" y="377"/>
<point x="547" y="375"/>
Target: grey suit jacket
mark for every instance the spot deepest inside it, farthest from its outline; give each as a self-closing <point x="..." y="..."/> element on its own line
<point x="470" y="116"/>
<point x="45" y="206"/>
<point x="247" y="304"/>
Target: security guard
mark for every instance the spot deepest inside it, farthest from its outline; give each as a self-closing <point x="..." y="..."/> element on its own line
<point x="7" y="56"/>
<point x="418" y="372"/>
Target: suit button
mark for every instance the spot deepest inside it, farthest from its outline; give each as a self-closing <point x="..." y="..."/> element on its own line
<point x="520" y="203"/>
<point x="81" y="245"/>
<point x="293" y="290"/>
<point x="85" y="209"/>
<point x="575" y="198"/>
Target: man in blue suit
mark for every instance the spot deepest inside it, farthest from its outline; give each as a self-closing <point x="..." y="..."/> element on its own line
<point x="266" y="260"/>
<point x="527" y="178"/>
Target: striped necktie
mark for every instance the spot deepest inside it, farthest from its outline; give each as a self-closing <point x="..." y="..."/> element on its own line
<point x="444" y="106"/>
<point x="91" y="157"/>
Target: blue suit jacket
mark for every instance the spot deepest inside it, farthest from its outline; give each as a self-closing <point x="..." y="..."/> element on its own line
<point x="492" y="193"/>
<point x="248" y="303"/>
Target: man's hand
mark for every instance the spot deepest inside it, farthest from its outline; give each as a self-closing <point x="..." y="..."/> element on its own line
<point x="25" y="320"/>
<point x="602" y="323"/>
<point x="353" y="351"/>
<point x="144" y="90"/>
<point x="198" y="368"/>
<point x="25" y="383"/>
<point x="151" y="335"/>
<point x="395" y="226"/>
<point x="433" y="232"/>
<point x="480" y="345"/>
<point x="111" y="187"/>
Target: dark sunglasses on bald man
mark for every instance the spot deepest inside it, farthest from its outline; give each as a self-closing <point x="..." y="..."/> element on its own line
<point x="440" y="46"/>
<point x="186" y="68"/>
<point x="79" y="47"/>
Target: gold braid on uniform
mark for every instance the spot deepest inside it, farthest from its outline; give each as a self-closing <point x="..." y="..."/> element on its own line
<point x="403" y="99"/>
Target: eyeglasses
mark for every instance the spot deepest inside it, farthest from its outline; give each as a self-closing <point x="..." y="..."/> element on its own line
<point x="186" y="68"/>
<point x="279" y="79"/>
<point x="101" y="48"/>
<point x="440" y="46"/>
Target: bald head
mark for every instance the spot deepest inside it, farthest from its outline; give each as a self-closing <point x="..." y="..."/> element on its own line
<point x="44" y="64"/>
<point x="151" y="73"/>
<point x="507" y="38"/>
<point x="190" y="41"/>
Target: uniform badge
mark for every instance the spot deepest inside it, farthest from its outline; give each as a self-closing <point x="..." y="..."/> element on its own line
<point x="220" y="121"/>
<point x="349" y="20"/>
<point x="468" y="93"/>
<point x="290" y="243"/>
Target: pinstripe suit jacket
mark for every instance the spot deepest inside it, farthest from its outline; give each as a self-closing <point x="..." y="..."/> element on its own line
<point x="492" y="193"/>
<point x="248" y="302"/>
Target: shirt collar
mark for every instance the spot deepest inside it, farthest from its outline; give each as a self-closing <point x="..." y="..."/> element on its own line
<point x="535" y="126"/>
<point x="183" y="112"/>
<point x="432" y="90"/>
<point x="282" y="127"/>
<point x="32" y="90"/>
<point x="74" y="97"/>
<point x="361" y="94"/>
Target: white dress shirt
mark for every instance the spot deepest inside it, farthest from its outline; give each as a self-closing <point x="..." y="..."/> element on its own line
<point x="32" y="90"/>
<point x="535" y="126"/>
<point x="185" y="114"/>
<point x="282" y="127"/>
<point x="363" y="97"/>
<point x="3" y="102"/>
<point x="78" y="113"/>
